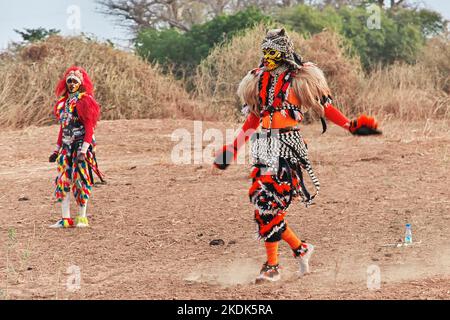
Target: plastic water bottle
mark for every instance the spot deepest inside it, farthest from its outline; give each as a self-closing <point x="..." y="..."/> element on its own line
<point x="408" y="234"/>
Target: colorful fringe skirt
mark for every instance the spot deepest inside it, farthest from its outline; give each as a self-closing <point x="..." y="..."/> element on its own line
<point x="73" y="176"/>
<point x="279" y="160"/>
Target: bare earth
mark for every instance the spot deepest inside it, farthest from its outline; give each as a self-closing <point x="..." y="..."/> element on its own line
<point x="153" y="221"/>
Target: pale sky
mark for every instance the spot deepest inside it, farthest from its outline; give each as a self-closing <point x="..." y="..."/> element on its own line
<point x="20" y="14"/>
<point x="57" y="14"/>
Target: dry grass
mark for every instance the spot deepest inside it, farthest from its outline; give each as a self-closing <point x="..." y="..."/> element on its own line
<point x="130" y="88"/>
<point x="344" y="74"/>
<point x="126" y="86"/>
<point x="410" y="92"/>
<point x="436" y="57"/>
<point x="219" y="74"/>
<point x="404" y="91"/>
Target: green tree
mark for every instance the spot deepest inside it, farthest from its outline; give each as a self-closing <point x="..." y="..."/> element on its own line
<point x="400" y="37"/>
<point x="170" y="47"/>
<point x="430" y="23"/>
<point x="309" y="20"/>
<point x="33" y="35"/>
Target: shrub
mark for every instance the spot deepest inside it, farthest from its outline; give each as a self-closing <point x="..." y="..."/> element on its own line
<point x="218" y="75"/>
<point x="400" y="38"/>
<point x="408" y="92"/>
<point x="126" y="86"/>
<point x="186" y="50"/>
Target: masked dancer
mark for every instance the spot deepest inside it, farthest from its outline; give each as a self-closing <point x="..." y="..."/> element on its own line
<point x="77" y="113"/>
<point x="276" y="96"/>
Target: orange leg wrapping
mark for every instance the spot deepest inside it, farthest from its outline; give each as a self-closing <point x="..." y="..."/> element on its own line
<point x="272" y="253"/>
<point x="290" y="237"/>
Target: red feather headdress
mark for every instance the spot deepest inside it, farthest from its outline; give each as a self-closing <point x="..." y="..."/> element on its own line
<point x="87" y="108"/>
<point x="86" y="83"/>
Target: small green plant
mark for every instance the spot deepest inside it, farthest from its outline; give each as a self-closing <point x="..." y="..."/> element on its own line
<point x="11" y="237"/>
<point x="12" y="240"/>
<point x="26" y="254"/>
<point x="446" y="157"/>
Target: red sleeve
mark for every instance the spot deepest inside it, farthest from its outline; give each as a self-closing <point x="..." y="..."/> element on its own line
<point x="59" y="143"/>
<point x="247" y="130"/>
<point x="89" y="131"/>
<point x="230" y="151"/>
<point x="89" y="113"/>
<point x="334" y="115"/>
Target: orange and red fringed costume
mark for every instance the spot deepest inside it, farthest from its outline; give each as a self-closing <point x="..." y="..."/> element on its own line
<point x="276" y="95"/>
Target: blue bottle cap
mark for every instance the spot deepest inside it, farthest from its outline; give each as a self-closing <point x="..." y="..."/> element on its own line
<point x="408" y="225"/>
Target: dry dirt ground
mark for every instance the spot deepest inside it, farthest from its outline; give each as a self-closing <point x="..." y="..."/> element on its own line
<point x="153" y="221"/>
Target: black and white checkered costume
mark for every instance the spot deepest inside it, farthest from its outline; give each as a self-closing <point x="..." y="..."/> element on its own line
<point x="271" y="145"/>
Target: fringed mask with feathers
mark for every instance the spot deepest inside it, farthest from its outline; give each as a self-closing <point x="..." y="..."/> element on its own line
<point x="278" y="49"/>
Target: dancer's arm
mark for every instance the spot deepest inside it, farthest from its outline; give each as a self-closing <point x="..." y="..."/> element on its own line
<point x="337" y="117"/>
<point x="55" y="153"/>
<point x="247" y="130"/>
<point x="364" y="125"/>
<point x="310" y="83"/>
<point x="59" y="142"/>
<point x="229" y="152"/>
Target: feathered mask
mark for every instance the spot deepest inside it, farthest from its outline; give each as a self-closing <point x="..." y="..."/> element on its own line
<point x="75" y="74"/>
<point x="278" y="41"/>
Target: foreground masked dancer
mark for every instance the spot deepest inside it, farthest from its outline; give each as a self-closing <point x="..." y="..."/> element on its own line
<point x="276" y="95"/>
<point x="78" y="113"/>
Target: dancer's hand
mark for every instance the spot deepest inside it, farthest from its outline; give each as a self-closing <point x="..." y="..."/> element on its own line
<point x="81" y="157"/>
<point x="224" y="157"/>
<point x="364" y="126"/>
<point x="53" y="157"/>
